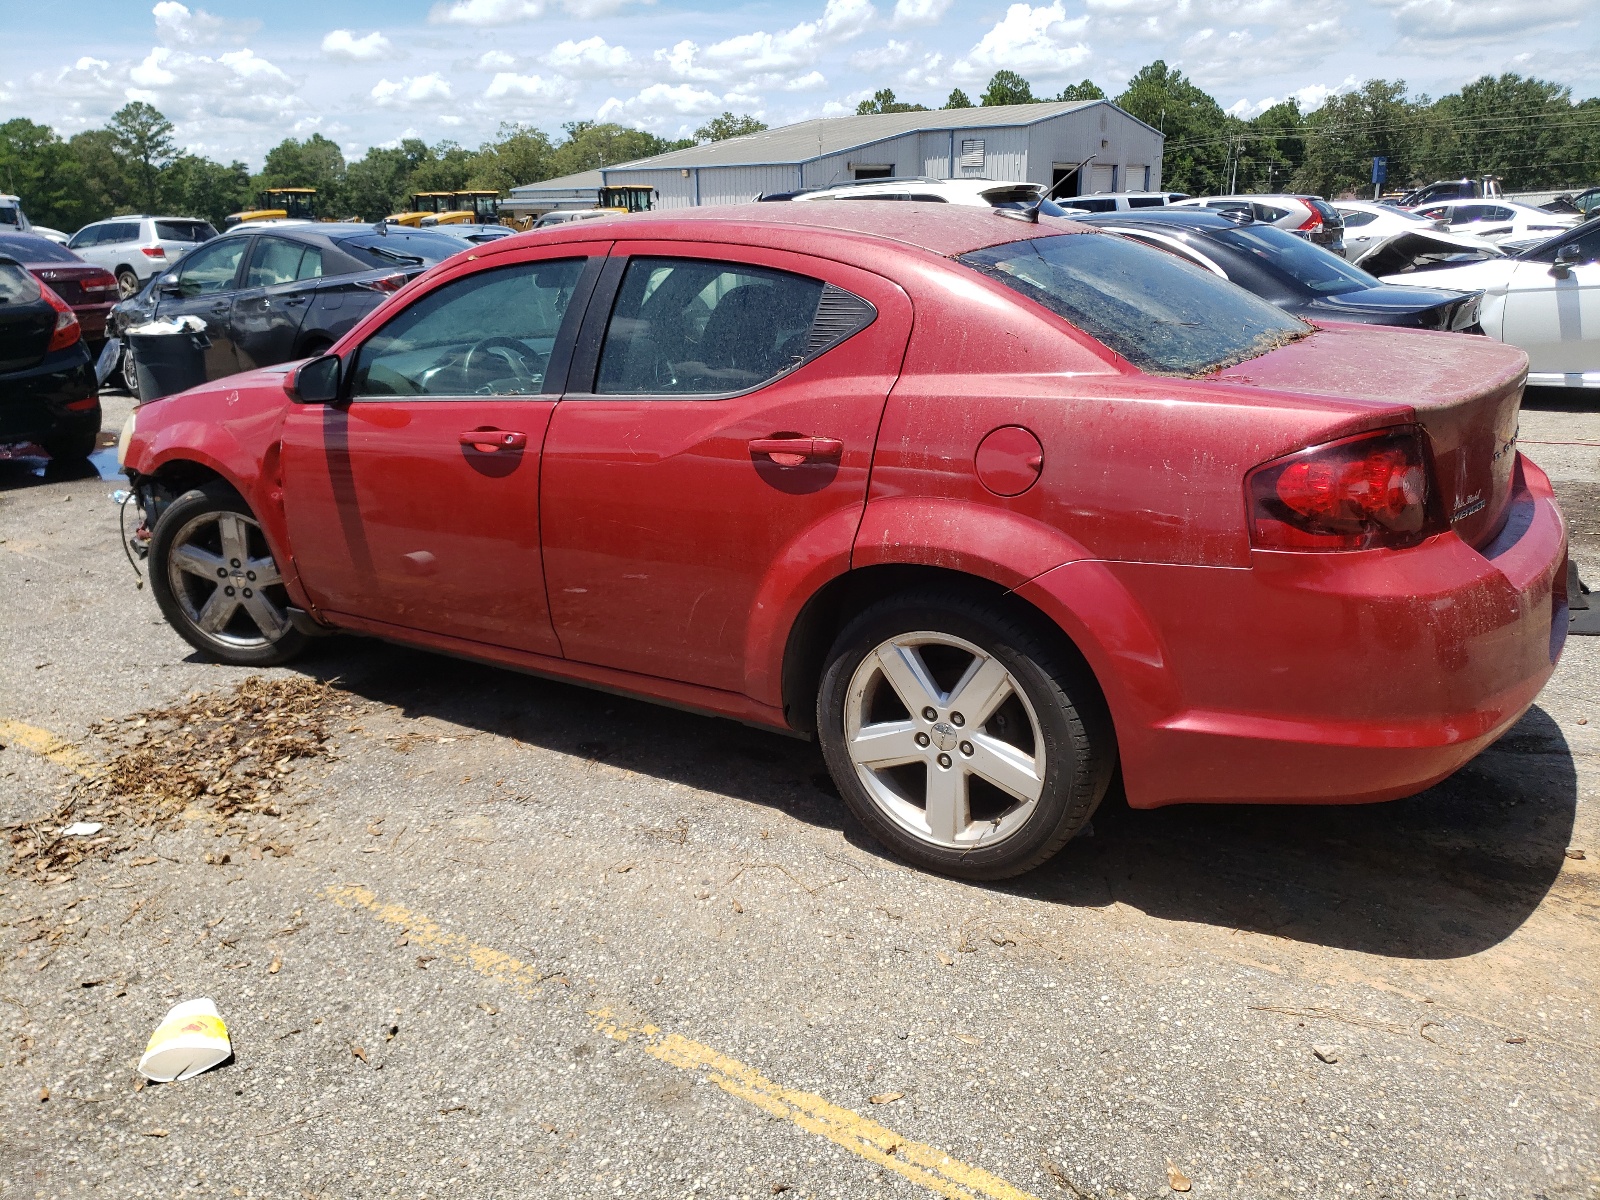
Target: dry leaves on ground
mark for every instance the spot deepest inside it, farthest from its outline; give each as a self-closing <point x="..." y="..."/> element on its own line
<point x="227" y="753"/>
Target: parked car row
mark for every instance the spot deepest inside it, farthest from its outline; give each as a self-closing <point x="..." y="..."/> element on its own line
<point x="984" y="502"/>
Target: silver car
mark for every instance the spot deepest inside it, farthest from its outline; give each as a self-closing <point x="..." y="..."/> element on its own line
<point x="136" y="248"/>
<point x="1312" y="217"/>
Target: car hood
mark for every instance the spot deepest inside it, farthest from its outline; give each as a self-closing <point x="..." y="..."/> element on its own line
<point x="1412" y="249"/>
<point x="1466" y="393"/>
<point x="1487" y="275"/>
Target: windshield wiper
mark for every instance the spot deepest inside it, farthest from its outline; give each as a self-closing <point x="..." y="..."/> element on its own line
<point x="394" y="255"/>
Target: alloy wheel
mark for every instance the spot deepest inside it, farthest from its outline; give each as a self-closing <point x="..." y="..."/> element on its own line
<point x="944" y="740"/>
<point x="226" y="582"/>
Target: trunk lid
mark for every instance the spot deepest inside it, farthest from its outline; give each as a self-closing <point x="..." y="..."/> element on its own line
<point x="26" y="321"/>
<point x="69" y="282"/>
<point x="1465" y="392"/>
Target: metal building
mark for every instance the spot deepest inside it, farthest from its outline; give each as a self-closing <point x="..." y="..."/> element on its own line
<point x="1039" y="143"/>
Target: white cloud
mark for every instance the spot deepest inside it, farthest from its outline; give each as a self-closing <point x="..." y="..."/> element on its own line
<point x="909" y="13"/>
<point x="1460" y="20"/>
<point x="809" y="82"/>
<point x="778" y="56"/>
<point x="508" y="85"/>
<point x="343" y="43"/>
<point x="495" y="60"/>
<point x="653" y="106"/>
<point x="1036" y="42"/>
<point x="486" y="12"/>
<point x="178" y="25"/>
<point x="890" y="54"/>
<point x="592" y="58"/>
<point x="421" y="89"/>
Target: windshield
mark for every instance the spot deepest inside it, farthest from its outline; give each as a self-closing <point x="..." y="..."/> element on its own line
<point x="1295" y="261"/>
<point x="415" y="248"/>
<point x="16" y="285"/>
<point x="1164" y="315"/>
<point x="30" y="249"/>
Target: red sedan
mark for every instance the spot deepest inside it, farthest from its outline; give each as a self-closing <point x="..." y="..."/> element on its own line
<point x="90" y="291"/>
<point x="988" y="507"/>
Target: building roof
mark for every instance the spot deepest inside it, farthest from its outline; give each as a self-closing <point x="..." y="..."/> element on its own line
<point x="818" y="138"/>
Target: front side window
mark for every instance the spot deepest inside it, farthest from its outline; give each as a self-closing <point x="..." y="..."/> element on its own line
<point x="487" y="334"/>
<point x="1164" y="315"/>
<point x="690" y="327"/>
<point x="211" y="268"/>
<point x="85" y="237"/>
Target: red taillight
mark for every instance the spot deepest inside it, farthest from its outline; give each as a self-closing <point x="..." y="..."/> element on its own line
<point x="1359" y="493"/>
<point x="104" y="282"/>
<point x="67" y="330"/>
<point x="384" y="283"/>
<point x="1313" y="223"/>
<point x="152" y="251"/>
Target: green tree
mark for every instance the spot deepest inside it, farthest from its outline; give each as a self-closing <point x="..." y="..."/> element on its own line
<point x="590" y="145"/>
<point x="517" y="154"/>
<point x="1007" y="87"/>
<point x="1086" y="90"/>
<point x="720" y="129"/>
<point x="143" y="137"/>
<point x="197" y="187"/>
<point x="1517" y="128"/>
<point x="1272" y="150"/>
<point x="1343" y="136"/>
<point x="378" y="184"/>
<point x="1199" y="135"/>
<point x="38" y="166"/>
<point x="103" y="170"/>
<point x="316" y="162"/>
<point x="958" y="99"/>
<point x="883" y="101"/>
<point x="444" y="168"/>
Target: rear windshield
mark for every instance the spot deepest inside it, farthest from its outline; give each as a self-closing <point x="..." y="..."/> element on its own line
<point x="1162" y="314"/>
<point x="16" y="285"/>
<point x="412" y="249"/>
<point x="184" y="231"/>
<point x="26" y="248"/>
<point x="1295" y="261"/>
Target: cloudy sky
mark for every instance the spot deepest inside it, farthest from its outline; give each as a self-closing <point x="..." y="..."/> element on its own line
<point x="237" y="78"/>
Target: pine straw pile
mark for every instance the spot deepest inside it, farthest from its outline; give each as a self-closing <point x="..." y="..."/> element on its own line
<point x="225" y="753"/>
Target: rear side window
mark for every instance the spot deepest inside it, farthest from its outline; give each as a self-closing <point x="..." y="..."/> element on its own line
<point x="117" y="232"/>
<point x="278" y="260"/>
<point x="1145" y="202"/>
<point x="1296" y="261"/>
<point x="689" y="327"/>
<point x="184" y="231"/>
<point x="487" y="334"/>
<point x="1164" y="315"/>
<point x="1355" y="218"/>
<point x="401" y="249"/>
<point x="17" y="286"/>
<point x="1089" y="204"/>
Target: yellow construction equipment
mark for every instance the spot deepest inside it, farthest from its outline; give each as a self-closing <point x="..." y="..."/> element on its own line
<point x="423" y="205"/>
<point x="279" y="204"/>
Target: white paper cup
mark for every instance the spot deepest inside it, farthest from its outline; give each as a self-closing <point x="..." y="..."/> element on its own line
<point x="191" y="1038"/>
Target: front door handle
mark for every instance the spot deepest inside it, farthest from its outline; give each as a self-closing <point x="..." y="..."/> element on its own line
<point x="492" y="441"/>
<point x="792" y="451"/>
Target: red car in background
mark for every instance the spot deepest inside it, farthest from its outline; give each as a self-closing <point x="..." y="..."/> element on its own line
<point x="90" y="291"/>
<point x="989" y="507"/>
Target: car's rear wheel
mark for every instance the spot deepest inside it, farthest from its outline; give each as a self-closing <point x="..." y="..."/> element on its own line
<point x="959" y="738"/>
<point x="129" y="370"/>
<point x="72" y="444"/>
<point x="127" y="282"/>
<point x="215" y="580"/>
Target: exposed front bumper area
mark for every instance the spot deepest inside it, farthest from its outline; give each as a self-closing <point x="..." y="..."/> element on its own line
<point x="1328" y="678"/>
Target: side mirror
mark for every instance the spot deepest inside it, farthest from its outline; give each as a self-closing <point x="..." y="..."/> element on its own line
<point x="315" y="381"/>
<point x="169" y="286"/>
<point x="1571" y="254"/>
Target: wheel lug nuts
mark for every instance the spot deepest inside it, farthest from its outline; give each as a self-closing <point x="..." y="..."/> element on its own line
<point x="222" y="572"/>
<point x="247" y="595"/>
<point x="944" y="760"/>
<point x="922" y="739"/>
<point x="250" y="575"/>
<point x="957" y="719"/>
<point x="966" y="747"/>
<point x="928" y="714"/>
<point x="227" y="591"/>
<point x="234" y="561"/>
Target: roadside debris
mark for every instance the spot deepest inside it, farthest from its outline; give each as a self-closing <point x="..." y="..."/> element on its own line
<point x="1176" y="1179"/>
<point x="886" y="1097"/>
<point x="82" y="829"/>
<point x="190" y="1039"/>
<point x="1328" y="1054"/>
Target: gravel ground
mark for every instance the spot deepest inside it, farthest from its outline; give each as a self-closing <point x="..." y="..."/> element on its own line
<point x="507" y="937"/>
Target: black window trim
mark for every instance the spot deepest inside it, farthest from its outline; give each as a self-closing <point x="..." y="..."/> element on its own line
<point x="591" y="339"/>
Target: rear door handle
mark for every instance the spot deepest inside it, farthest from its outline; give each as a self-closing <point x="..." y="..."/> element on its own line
<point x="491" y="441"/>
<point x="792" y="451"/>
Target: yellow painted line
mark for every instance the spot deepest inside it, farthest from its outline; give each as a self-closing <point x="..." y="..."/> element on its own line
<point x="46" y="745"/>
<point x="924" y="1165"/>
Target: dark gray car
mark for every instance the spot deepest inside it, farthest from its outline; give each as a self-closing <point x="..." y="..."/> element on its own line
<point x="280" y="292"/>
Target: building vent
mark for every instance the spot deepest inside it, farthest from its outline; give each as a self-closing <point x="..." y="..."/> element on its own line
<point x="839" y="315"/>
<point x="971" y="155"/>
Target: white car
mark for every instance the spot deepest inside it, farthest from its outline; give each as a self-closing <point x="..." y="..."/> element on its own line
<point x="1497" y="219"/>
<point x="1104" y="202"/>
<point x="1545" y="301"/>
<point x="976" y="193"/>
<point x="1312" y="217"/>
<point x="565" y="216"/>
<point x="1366" y="223"/>
<point x="135" y="248"/>
<point x="54" y="235"/>
<point x="12" y="218"/>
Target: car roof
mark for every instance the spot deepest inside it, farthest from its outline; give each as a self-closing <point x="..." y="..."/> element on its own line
<point x="943" y="229"/>
<point x="327" y="229"/>
<point x="1168" y="217"/>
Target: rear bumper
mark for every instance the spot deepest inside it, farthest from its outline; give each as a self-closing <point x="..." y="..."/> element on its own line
<point x="1326" y="678"/>
<point x="33" y="403"/>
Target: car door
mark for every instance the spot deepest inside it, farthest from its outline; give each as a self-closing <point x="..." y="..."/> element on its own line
<point x="86" y="244"/>
<point x="1554" y="313"/>
<point x="414" y="503"/>
<point x="717" y="433"/>
<point x="280" y="281"/>
<point x="203" y="286"/>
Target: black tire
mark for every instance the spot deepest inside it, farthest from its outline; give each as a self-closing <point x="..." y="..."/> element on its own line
<point x="71" y="445"/>
<point x="128" y="371"/>
<point x="127" y="283"/>
<point x="183" y="595"/>
<point x="1062" y="716"/>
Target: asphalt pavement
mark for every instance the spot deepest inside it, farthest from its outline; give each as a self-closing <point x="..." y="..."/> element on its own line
<point x="476" y="934"/>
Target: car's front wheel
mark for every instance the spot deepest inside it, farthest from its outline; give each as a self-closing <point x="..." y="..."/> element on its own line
<point x="216" y="582"/>
<point x="959" y="738"/>
<point x="127" y="283"/>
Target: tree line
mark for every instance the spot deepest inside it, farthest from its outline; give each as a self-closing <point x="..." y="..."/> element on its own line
<point x="1527" y="131"/>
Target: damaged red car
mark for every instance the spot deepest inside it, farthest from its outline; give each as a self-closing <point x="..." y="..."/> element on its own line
<point x="993" y="509"/>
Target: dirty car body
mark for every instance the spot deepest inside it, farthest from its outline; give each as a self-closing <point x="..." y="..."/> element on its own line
<point x="945" y="505"/>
